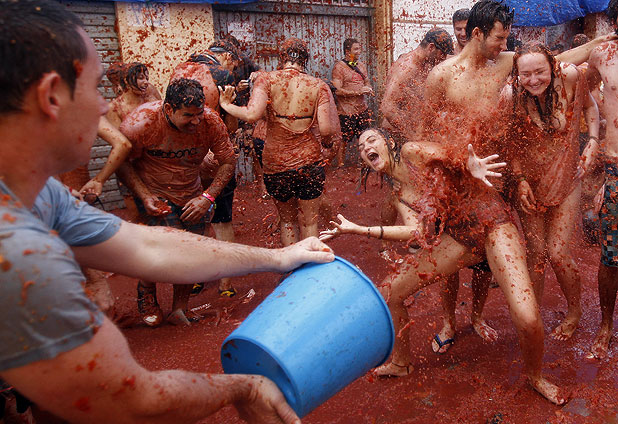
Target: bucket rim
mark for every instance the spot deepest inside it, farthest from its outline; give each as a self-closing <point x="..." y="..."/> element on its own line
<point x="274" y="357"/>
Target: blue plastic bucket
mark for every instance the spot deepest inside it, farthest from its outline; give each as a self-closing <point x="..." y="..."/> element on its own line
<point x="323" y="327"/>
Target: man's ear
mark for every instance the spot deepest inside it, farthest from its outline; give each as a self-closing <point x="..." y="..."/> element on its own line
<point x="50" y="91"/>
<point x="431" y="47"/>
<point x="476" y="33"/>
<point x="167" y="108"/>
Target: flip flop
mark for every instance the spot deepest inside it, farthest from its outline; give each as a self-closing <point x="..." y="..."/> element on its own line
<point x="441" y="344"/>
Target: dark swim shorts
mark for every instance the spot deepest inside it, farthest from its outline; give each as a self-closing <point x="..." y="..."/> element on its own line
<point x="224" y="203"/>
<point x="304" y="183"/>
<point x="608" y="215"/>
<point x="352" y="126"/>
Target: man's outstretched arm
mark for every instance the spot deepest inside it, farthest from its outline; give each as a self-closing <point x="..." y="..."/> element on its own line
<point x="165" y="254"/>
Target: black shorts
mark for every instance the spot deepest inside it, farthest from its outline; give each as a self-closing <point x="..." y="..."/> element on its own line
<point x="224" y="203"/>
<point x="352" y="126"/>
<point x="304" y="183"/>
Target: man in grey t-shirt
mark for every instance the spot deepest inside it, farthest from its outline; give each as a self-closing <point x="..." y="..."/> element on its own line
<point x="56" y="347"/>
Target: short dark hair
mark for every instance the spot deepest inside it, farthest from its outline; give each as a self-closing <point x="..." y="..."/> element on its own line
<point x="486" y="13"/>
<point x="579" y="40"/>
<point x="612" y="10"/>
<point x="439" y="38"/>
<point x="36" y="37"/>
<point x="224" y="46"/>
<point x="461" y="15"/>
<point x="184" y="92"/>
<point x="348" y="43"/>
<point x="133" y="71"/>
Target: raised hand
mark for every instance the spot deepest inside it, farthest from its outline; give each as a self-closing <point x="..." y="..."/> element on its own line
<point x="482" y="168"/>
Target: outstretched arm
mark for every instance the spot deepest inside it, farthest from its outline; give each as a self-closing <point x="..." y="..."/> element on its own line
<point x="391" y="232"/>
<point x="179" y="257"/>
<point x="100" y="382"/>
<point x="121" y="147"/>
<point x="580" y="54"/>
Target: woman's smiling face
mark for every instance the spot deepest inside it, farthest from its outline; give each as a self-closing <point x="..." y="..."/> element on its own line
<point x="534" y="73"/>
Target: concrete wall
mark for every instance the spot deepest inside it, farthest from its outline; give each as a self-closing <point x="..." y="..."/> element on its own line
<point x="161" y="35"/>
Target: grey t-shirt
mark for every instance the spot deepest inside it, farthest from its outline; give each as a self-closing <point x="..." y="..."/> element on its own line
<point x="44" y="310"/>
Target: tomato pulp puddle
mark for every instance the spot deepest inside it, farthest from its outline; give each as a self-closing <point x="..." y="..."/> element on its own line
<point x="474" y="382"/>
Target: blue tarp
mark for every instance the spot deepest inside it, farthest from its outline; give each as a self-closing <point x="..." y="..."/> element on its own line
<point x="553" y="12"/>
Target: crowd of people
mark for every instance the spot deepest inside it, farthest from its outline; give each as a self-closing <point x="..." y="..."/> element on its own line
<point x="447" y="112"/>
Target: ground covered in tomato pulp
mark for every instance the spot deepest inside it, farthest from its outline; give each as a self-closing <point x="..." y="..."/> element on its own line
<point x="474" y="382"/>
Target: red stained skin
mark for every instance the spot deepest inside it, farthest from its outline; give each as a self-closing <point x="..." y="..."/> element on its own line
<point x="83" y="404"/>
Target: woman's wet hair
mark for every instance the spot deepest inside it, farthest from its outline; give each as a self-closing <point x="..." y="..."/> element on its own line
<point x="184" y="92"/>
<point x="486" y="13"/>
<point x="134" y="70"/>
<point x="294" y="50"/>
<point x="37" y="37"/>
<point x="521" y="95"/>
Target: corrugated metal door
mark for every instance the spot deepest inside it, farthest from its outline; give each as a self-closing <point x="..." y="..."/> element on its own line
<point x="100" y="19"/>
<point x="324" y="24"/>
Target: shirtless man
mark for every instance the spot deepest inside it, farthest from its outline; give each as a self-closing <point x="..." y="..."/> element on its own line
<point x="405" y="84"/>
<point x="460" y="20"/>
<point x="604" y="63"/>
<point x="138" y="91"/>
<point x="351" y="80"/>
<point x="170" y="140"/>
<point x="463" y="94"/>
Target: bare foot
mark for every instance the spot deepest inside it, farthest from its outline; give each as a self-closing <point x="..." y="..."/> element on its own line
<point x="565" y="330"/>
<point x="393" y="370"/>
<point x="443" y="340"/>
<point x="600" y="346"/>
<point x="549" y="390"/>
<point x="486" y="332"/>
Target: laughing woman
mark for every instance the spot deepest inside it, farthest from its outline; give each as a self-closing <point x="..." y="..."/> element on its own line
<point x="457" y="220"/>
<point x="547" y="99"/>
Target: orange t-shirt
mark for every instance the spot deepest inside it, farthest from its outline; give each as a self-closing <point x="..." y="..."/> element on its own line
<point x="167" y="160"/>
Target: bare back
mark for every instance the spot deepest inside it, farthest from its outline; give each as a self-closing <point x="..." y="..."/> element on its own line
<point x="294" y="99"/>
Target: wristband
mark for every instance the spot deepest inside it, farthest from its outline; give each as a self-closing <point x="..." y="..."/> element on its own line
<point x="381" y="232"/>
<point x="593" y="137"/>
<point x="209" y="197"/>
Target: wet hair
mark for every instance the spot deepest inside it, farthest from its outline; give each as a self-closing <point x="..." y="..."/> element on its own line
<point x="521" y="95"/>
<point x="512" y="43"/>
<point x="116" y="73"/>
<point x="36" y="37"/>
<point x="134" y="70"/>
<point x="486" y="13"/>
<point x="224" y="46"/>
<point x="294" y="50"/>
<point x="233" y="40"/>
<point x="184" y="92"/>
<point x="348" y="43"/>
<point x="439" y="38"/>
<point x="579" y="40"/>
<point x="612" y="11"/>
<point x="461" y="15"/>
